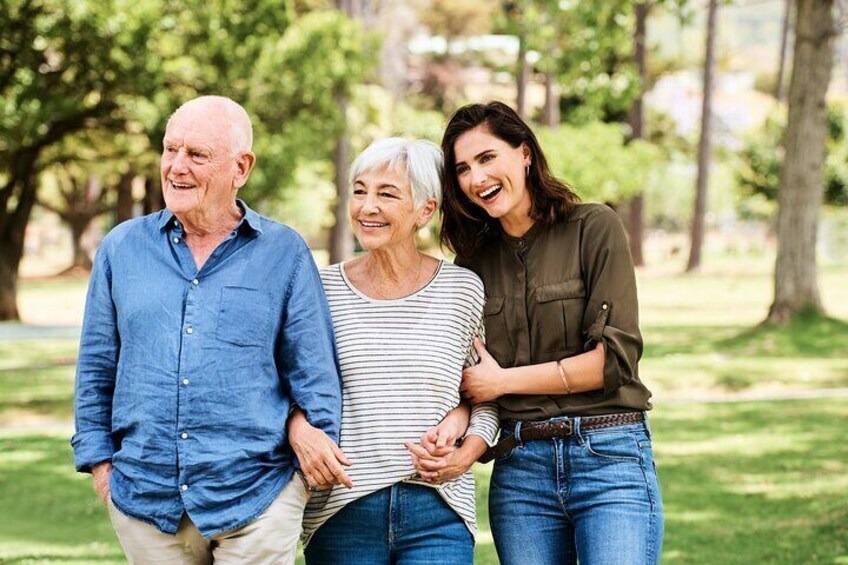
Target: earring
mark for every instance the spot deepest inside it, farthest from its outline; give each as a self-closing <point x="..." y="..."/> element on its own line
<point x="527" y="170"/>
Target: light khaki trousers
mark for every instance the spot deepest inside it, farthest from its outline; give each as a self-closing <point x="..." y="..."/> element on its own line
<point x="271" y="538"/>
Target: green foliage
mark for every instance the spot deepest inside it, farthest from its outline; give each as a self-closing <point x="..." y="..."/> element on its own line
<point x="595" y="160"/>
<point x="587" y="46"/>
<point x="760" y="160"/>
<point x="297" y="83"/>
<point x="124" y="67"/>
<point x="67" y="66"/>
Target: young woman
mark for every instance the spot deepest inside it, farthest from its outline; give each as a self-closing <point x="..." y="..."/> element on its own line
<point x="574" y="477"/>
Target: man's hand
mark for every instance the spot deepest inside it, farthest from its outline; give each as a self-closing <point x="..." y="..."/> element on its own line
<point x="320" y="458"/>
<point x="101" y="474"/>
<point x="484" y="381"/>
<point x="441" y="439"/>
<point x="435" y="469"/>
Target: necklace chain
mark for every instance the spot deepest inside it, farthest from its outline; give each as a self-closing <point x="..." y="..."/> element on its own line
<point x="415" y="282"/>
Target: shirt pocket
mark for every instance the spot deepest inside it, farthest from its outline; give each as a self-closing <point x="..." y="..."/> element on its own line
<point x="244" y="317"/>
<point x="560" y="307"/>
<point x="498" y="342"/>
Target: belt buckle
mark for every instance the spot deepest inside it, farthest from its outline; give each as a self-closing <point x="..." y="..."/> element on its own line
<point x="568" y="427"/>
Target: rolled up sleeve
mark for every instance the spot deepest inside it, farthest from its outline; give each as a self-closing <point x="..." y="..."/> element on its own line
<point x="484" y="421"/>
<point x="96" y="369"/>
<point x="612" y="309"/>
<point x="307" y="354"/>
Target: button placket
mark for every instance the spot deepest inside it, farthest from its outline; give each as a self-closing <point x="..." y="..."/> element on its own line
<point x="187" y="353"/>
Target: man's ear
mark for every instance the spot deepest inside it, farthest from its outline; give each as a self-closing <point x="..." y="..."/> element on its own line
<point x="244" y="164"/>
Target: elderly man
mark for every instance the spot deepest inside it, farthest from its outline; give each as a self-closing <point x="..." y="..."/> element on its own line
<point x="204" y="324"/>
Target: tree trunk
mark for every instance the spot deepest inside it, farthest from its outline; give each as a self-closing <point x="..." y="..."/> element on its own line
<point x="800" y="194"/>
<point x="522" y="77"/>
<point x="704" y="144"/>
<point x="551" y="101"/>
<point x="9" y="261"/>
<point x="12" y="229"/>
<point x="341" y="238"/>
<point x="153" y="200"/>
<point x="79" y="225"/>
<point x="124" y="208"/>
<point x="636" y="208"/>
<point x="784" y="39"/>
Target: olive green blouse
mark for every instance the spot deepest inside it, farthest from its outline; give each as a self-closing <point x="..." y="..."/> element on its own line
<point x="554" y="293"/>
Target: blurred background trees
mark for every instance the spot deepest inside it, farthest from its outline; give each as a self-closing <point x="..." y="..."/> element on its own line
<point x="615" y="89"/>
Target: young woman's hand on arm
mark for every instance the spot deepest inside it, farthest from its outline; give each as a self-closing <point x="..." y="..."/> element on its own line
<point x="487" y="380"/>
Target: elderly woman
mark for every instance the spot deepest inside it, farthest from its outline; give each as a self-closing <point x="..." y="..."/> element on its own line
<point x="405" y="324"/>
<point x="574" y="471"/>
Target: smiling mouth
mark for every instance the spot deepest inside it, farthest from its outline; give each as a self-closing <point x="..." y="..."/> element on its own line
<point x="365" y="224"/>
<point x="181" y="185"/>
<point x="490" y="193"/>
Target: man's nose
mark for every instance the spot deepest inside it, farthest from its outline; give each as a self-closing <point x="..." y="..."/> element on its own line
<point x="179" y="164"/>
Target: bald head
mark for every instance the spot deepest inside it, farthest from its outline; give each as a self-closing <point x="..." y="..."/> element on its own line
<point x="222" y="109"/>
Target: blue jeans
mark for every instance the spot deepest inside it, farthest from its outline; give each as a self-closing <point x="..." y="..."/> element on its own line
<point x="405" y="524"/>
<point x="592" y="497"/>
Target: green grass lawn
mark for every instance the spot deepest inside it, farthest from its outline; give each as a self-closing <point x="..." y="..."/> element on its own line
<point x="760" y="482"/>
<point x="763" y="481"/>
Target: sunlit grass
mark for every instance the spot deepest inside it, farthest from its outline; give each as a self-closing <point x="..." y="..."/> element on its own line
<point x="743" y="483"/>
<point x="755" y="482"/>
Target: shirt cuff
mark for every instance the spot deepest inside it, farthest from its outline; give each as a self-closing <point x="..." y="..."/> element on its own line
<point x="91" y="448"/>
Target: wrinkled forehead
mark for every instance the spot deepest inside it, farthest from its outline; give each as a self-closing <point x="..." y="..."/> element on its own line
<point x="198" y="127"/>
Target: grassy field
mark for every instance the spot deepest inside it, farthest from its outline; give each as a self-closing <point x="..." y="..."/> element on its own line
<point x="759" y="480"/>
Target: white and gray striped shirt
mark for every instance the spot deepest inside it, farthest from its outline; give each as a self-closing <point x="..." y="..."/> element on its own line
<point x="401" y="364"/>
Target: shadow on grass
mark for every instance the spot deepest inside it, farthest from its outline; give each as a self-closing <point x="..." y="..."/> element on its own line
<point x="754" y="483"/>
<point x="807" y="335"/>
<point x="55" y="513"/>
<point x="661" y="341"/>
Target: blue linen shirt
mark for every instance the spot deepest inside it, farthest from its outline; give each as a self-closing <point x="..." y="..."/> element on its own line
<point x="185" y="377"/>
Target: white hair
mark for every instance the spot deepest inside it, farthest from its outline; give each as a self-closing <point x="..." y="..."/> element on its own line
<point x="422" y="160"/>
<point x="236" y="117"/>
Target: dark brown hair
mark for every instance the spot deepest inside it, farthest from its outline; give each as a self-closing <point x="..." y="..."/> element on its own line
<point x="466" y="226"/>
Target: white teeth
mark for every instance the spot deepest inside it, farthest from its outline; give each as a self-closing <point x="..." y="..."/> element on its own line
<point x="180" y="185"/>
<point x="489" y="192"/>
<point x="372" y="224"/>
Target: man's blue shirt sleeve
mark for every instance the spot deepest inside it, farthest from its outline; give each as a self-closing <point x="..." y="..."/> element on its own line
<point x="96" y="369"/>
<point x="307" y="354"/>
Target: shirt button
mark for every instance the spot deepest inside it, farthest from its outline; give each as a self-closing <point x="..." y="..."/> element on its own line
<point x="185" y="382"/>
<point x="176" y="223"/>
<point x="189" y="330"/>
<point x="195" y="282"/>
<point x="184" y="435"/>
<point x="184" y="488"/>
<point x="176" y="240"/>
<point x="605" y="306"/>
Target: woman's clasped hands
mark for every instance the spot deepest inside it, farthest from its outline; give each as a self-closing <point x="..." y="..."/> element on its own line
<point x="437" y="458"/>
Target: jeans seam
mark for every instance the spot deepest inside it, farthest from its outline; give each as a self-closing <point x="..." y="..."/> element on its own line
<point x="390" y="537"/>
<point x="652" y="536"/>
<point x="559" y="478"/>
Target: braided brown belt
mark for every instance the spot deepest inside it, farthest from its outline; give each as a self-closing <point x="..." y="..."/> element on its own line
<point x="560" y="428"/>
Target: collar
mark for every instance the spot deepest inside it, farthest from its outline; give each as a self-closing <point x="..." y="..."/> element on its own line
<point x="249" y="218"/>
<point x="523" y="240"/>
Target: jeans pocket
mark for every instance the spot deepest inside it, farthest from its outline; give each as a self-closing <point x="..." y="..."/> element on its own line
<point x="504" y="435"/>
<point x="614" y="445"/>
